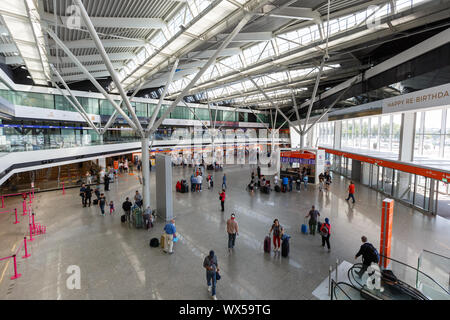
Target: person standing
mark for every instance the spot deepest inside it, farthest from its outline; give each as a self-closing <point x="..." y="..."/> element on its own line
<point x="126" y="206"/>
<point x="290" y="183"/>
<point x="325" y="232"/>
<point x="102" y="203"/>
<point x="313" y="214"/>
<point x="83" y="194"/>
<point x="351" y="191"/>
<point x="321" y="179"/>
<point x="106" y="179"/>
<point x="111" y="207"/>
<point x="97" y="192"/>
<point x="212" y="267"/>
<point x="275" y="180"/>
<point x="222" y="199"/>
<point x="170" y="231"/>
<point x="88" y="177"/>
<point x="369" y="255"/>
<point x="224" y="182"/>
<point x="259" y="172"/>
<point x="147" y="217"/>
<point x="232" y="230"/>
<point x="88" y="195"/>
<point x="200" y="182"/>
<point x="276" y="228"/>
<point x="138" y="199"/>
<point x="327" y="178"/>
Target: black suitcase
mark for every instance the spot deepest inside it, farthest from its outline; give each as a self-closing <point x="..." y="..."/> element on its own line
<point x="267" y="244"/>
<point x="285" y="248"/>
<point x="95" y="202"/>
<point x="123" y="218"/>
<point x="277" y="188"/>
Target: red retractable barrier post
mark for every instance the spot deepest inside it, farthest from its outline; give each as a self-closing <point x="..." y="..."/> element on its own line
<point x="24" y="206"/>
<point x="25" y="246"/>
<point x="31" y="233"/>
<point x="31" y="201"/>
<point x="3" y="202"/>
<point x="15" y="212"/>
<point x="64" y="191"/>
<point x="16" y="275"/>
<point x="34" y="226"/>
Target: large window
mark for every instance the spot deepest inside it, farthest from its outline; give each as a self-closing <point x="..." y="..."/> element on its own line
<point x="431" y="134"/>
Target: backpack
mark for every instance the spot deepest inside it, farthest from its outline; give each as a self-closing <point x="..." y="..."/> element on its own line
<point x="374" y="253"/>
<point x="154" y="243"/>
<point x="324" y="231"/>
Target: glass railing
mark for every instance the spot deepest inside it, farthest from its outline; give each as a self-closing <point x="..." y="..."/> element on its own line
<point x="344" y="291"/>
<point x="404" y="284"/>
<point x="436" y="266"/>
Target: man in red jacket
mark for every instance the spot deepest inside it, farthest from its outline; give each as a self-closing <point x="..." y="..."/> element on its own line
<point x="351" y="191"/>
<point x="222" y="199"/>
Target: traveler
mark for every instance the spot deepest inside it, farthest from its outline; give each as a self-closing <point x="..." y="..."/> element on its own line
<point x="285" y="184"/>
<point x="126" y="206"/>
<point x="170" y="231"/>
<point x="232" y="230"/>
<point x="275" y="180"/>
<point x="259" y="172"/>
<point x="369" y="255"/>
<point x="97" y="192"/>
<point x="253" y="176"/>
<point x="88" y="195"/>
<point x="224" y="181"/>
<point x="83" y="194"/>
<point x="222" y="199"/>
<point x="212" y="267"/>
<point x="147" y="216"/>
<point x="313" y="214"/>
<point x="321" y="180"/>
<point x="88" y="177"/>
<point x="106" y="179"/>
<point x="351" y="191"/>
<point x="138" y="199"/>
<point x="192" y="183"/>
<point x="325" y="232"/>
<point x="102" y="203"/>
<point x="111" y="207"/>
<point x="276" y="228"/>
<point x="305" y="181"/>
<point x="199" y="182"/>
<point x="290" y="183"/>
<point x="327" y="178"/>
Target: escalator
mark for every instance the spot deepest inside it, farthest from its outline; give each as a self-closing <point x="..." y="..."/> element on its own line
<point x="393" y="287"/>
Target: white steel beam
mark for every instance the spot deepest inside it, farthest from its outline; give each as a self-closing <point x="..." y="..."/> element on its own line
<point x="108" y="64"/>
<point x="209" y="53"/>
<point x="94" y="57"/>
<point x="78" y="77"/>
<point x="14" y="60"/>
<point x="80" y="108"/>
<point x="91" y="78"/>
<point x="161" y="99"/>
<point x="211" y="60"/>
<point x="296" y="13"/>
<point x="107" y="43"/>
<point x="8" y="48"/>
<point x="249" y="36"/>
<point x="93" y="68"/>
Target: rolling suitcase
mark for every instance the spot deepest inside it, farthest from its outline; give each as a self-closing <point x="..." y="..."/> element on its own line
<point x="304" y="229"/>
<point x="277" y="188"/>
<point x="163" y="240"/>
<point x="285" y="247"/>
<point x="154" y="243"/>
<point x="267" y="244"/>
<point x="319" y="224"/>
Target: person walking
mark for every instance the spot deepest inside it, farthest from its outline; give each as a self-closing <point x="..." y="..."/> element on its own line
<point x="285" y="181"/>
<point x="305" y="181"/>
<point x="276" y="228"/>
<point x="171" y="233"/>
<point x="321" y="180"/>
<point x="126" y="206"/>
<point x="222" y="199"/>
<point x="147" y="217"/>
<point x="258" y="170"/>
<point x="88" y="195"/>
<point x="232" y="230"/>
<point x="212" y="267"/>
<point x="88" y="178"/>
<point x="275" y="180"/>
<point x="97" y="192"/>
<point x="224" y="181"/>
<point x="313" y="214"/>
<point x="102" y="203"/>
<point x="290" y="183"/>
<point x="111" y="207"/>
<point x="369" y="255"/>
<point x="327" y="178"/>
<point x="83" y="194"/>
<point x="325" y="232"/>
<point x="351" y="191"/>
<point x="199" y="182"/>
<point x="106" y="180"/>
<point x="192" y="183"/>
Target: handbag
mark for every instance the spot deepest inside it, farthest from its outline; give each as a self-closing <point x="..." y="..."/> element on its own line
<point x="218" y="275"/>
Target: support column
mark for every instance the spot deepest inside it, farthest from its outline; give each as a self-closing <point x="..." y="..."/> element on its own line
<point x="164" y="205"/>
<point x="406" y="153"/>
<point x="145" y="172"/>
<point x="337" y="134"/>
<point x="387" y="215"/>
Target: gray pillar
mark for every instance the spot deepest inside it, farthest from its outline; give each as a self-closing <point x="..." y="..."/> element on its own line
<point x="145" y="172"/>
<point x="164" y="206"/>
<point x="356" y="170"/>
<point x="407" y="136"/>
<point x="100" y="139"/>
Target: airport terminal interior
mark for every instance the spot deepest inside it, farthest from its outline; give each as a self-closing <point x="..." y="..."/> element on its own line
<point x="225" y="150"/>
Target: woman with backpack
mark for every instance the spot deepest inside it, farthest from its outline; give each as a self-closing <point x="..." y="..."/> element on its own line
<point x="325" y="232"/>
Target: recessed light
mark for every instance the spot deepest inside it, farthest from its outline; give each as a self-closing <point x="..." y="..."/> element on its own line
<point x="29" y="77"/>
<point x="23" y="67"/>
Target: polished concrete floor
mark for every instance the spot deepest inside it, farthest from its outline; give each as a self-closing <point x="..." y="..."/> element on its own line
<point x="116" y="261"/>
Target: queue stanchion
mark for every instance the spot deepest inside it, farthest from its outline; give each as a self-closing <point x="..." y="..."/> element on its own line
<point x="24" y="206"/>
<point x="29" y="195"/>
<point x="15" y="212"/>
<point x="25" y="246"/>
<point x="64" y="191"/>
<point x="16" y="275"/>
<point x="31" y="233"/>
<point x="32" y="221"/>
<point x="32" y="190"/>
<point x="3" y="202"/>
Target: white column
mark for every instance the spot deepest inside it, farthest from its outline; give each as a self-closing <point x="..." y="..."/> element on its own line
<point x="407" y="136"/>
<point x="145" y="172"/>
<point x="337" y="134"/>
